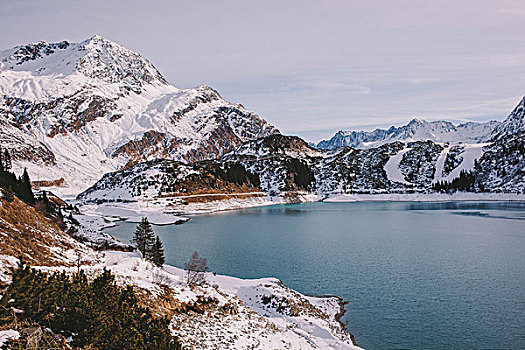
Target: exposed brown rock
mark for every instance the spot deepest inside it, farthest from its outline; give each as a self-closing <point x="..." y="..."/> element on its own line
<point x="48" y="183"/>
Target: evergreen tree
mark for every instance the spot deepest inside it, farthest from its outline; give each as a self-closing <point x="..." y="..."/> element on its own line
<point x="26" y="192"/>
<point x="21" y="186"/>
<point x="7" y="161"/>
<point x="9" y="194"/>
<point x="301" y="174"/>
<point x="157" y="253"/>
<point x="144" y="238"/>
<point x="46" y="205"/>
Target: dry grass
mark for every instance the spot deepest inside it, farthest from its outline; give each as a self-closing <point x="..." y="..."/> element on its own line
<point x="223" y="196"/>
<point x="163" y="304"/>
<point x="24" y="232"/>
<point x="48" y="183"/>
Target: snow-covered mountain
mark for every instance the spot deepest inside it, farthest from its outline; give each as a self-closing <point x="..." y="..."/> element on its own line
<point x="415" y="130"/>
<point x="287" y="169"/>
<point x="513" y="124"/>
<point x="79" y="110"/>
<point x="502" y="166"/>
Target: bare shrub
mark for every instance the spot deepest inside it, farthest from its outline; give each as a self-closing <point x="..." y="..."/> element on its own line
<point x="161" y="279"/>
<point x="195" y="270"/>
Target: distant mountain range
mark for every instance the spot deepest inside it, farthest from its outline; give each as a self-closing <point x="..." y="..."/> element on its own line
<point x="415" y="130"/>
<point x="79" y="110"/>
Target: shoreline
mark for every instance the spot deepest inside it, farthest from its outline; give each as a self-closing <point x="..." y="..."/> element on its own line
<point x="425" y="197"/>
<point x="342" y="311"/>
<point x="162" y="215"/>
<point x="341" y="302"/>
<point x="237" y="301"/>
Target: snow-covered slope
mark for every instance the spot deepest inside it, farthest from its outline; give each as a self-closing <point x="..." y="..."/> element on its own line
<point x="227" y="312"/>
<point x="513" y="125"/>
<point x="415" y="130"/>
<point x="502" y="166"/>
<point x="88" y="108"/>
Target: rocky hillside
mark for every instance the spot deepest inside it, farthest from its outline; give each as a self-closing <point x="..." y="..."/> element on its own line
<point x="171" y="179"/>
<point x="513" y="125"/>
<point x="415" y="130"/>
<point x="79" y="110"/>
<point x="26" y="232"/>
<point x="286" y="168"/>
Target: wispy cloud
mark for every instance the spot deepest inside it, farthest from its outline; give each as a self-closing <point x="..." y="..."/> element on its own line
<point x="325" y="85"/>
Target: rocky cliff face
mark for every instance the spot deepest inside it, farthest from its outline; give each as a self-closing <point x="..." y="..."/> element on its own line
<point x="79" y="110"/>
<point x="502" y="166"/>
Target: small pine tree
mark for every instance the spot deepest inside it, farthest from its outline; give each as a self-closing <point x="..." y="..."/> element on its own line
<point x="26" y="192"/>
<point x="7" y="161"/>
<point x="157" y="253"/>
<point x="46" y="206"/>
<point x="144" y="238"/>
<point x="9" y="194"/>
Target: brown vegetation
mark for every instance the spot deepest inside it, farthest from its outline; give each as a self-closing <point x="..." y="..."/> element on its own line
<point x="48" y="183"/>
<point x="24" y="232"/>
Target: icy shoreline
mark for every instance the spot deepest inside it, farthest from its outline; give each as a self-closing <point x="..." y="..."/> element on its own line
<point x="424" y="197"/>
<point x="163" y="213"/>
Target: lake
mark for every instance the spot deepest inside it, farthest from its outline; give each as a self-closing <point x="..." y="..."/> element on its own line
<point x="416" y="275"/>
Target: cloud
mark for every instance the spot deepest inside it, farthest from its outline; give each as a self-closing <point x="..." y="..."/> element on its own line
<point x="325" y="85"/>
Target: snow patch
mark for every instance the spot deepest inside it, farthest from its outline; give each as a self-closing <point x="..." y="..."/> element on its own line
<point x="392" y="167"/>
<point x="7" y="335"/>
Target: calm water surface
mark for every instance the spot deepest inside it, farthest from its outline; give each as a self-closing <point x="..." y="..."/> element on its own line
<point x="416" y="275"/>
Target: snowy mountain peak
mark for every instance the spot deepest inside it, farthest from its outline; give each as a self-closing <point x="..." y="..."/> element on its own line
<point x="416" y="121"/>
<point x="96" y="58"/>
<point x="97" y="37"/>
<point x="18" y="55"/>
<point x="514" y="124"/>
<point x="113" y="63"/>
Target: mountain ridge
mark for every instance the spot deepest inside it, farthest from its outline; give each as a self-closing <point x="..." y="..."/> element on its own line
<point x="414" y="130"/>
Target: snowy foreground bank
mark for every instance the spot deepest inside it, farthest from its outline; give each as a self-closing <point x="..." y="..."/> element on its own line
<point x="233" y="313"/>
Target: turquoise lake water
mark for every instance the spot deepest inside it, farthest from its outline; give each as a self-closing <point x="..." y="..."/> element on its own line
<point x="416" y="275"/>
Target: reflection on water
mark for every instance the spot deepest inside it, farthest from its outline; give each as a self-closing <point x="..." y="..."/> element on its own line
<point x="416" y="275"/>
<point x="494" y="216"/>
<point x="464" y="205"/>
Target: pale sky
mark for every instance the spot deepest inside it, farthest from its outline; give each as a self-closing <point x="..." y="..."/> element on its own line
<point x="311" y="67"/>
